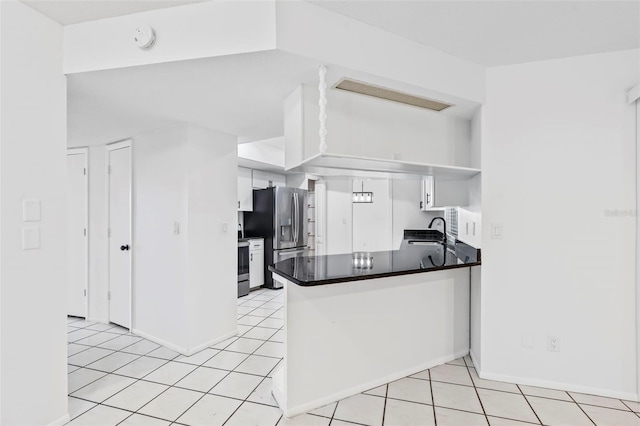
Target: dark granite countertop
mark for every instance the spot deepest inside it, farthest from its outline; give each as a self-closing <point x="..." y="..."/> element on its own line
<point x="416" y="255"/>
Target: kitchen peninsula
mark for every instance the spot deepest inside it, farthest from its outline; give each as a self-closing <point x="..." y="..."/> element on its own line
<point x="356" y="321"/>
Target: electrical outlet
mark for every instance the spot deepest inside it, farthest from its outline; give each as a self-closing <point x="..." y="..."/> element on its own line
<point x="553" y="343"/>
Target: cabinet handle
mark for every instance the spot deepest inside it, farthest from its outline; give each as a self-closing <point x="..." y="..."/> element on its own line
<point x="428" y="198"/>
<point x="238" y="204"/>
<point x="420" y="205"/>
<point x="252" y="257"/>
<point x="474" y="228"/>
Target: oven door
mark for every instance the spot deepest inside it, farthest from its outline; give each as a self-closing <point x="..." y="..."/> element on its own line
<point x="243" y="261"/>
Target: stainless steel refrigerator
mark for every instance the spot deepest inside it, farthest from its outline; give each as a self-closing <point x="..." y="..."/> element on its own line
<point x="279" y="216"/>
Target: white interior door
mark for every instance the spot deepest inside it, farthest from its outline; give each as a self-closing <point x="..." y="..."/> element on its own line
<point x="77" y="250"/>
<point x="119" y="178"/>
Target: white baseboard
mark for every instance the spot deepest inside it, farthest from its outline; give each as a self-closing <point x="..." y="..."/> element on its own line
<point x="101" y="320"/>
<point x="61" y="421"/>
<point x="212" y="342"/>
<point x="629" y="396"/>
<point x="179" y="349"/>
<point x="476" y="364"/>
<point x="306" y="407"/>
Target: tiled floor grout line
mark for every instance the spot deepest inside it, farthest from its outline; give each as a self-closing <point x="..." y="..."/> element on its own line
<point x="475" y="388"/>
<point x="433" y="399"/>
<point x="529" y="404"/>
<point x="384" y="407"/>
<point x="243" y="402"/>
<point x="585" y="413"/>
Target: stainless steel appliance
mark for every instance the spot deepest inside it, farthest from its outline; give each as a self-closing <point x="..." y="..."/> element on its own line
<point x="279" y="216"/>
<point x="243" y="268"/>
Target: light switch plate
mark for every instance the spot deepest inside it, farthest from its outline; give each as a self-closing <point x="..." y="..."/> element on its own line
<point x="30" y="238"/>
<point x="31" y="210"/>
<point x="496" y="231"/>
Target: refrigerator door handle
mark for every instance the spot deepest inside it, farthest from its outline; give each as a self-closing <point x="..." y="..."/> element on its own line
<point x="293" y="217"/>
<point x="297" y="211"/>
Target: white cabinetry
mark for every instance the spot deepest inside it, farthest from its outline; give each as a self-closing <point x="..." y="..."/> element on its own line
<point x="262" y="179"/>
<point x="443" y="193"/>
<point x="362" y="128"/>
<point x="469" y="229"/>
<point x="256" y="262"/>
<point x="245" y="190"/>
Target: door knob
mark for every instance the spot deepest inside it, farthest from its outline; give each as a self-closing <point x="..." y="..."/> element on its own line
<point x="123" y="248"/>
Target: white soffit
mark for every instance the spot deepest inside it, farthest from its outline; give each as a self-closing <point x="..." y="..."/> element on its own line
<point x="237" y="94"/>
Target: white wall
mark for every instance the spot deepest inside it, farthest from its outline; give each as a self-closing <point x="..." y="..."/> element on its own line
<point x="373" y="222"/>
<point x="33" y="357"/>
<point x="338" y="229"/>
<point x="213" y="292"/>
<point x="160" y="194"/>
<point x="558" y="153"/>
<point x="185" y="285"/>
<point x="206" y="29"/>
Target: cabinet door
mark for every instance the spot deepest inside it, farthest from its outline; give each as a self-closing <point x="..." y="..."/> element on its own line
<point x="426" y="202"/>
<point x="443" y="193"/>
<point x="469" y="227"/>
<point x="256" y="268"/>
<point x="245" y="190"/>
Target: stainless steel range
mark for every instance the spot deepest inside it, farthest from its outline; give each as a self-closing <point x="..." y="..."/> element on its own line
<point x="243" y="268"/>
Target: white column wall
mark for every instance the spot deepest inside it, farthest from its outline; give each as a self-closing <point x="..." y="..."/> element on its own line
<point x="185" y="284"/>
<point x="33" y="346"/>
<point x="160" y="162"/>
<point x="558" y="161"/>
<point x="212" y="259"/>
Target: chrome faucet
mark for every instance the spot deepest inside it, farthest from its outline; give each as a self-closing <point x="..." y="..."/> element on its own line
<point x="444" y="227"/>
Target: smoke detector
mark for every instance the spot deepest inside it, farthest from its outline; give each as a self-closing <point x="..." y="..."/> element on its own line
<point x="144" y="37"/>
<point x="390" y="95"/>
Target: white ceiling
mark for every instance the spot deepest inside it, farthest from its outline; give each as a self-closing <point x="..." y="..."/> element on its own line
<point x="73" y="11"/>
<point x="485" y="32"/>
<point x="504" y="32"/>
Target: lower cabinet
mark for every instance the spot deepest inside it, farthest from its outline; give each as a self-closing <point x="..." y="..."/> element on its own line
<point x="256" y="262"/>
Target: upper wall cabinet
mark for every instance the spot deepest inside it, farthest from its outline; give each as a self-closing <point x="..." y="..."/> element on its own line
<point x="437" y="194"/>
<point x="245" y="190"/>
<point x="366" y="128"/>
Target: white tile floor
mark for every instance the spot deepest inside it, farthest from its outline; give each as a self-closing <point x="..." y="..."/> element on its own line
<point x="119" y="379"/>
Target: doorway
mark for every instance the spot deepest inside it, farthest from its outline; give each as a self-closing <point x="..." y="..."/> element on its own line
<point x="77" y="232"/>
<point x="119" y="232"/>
